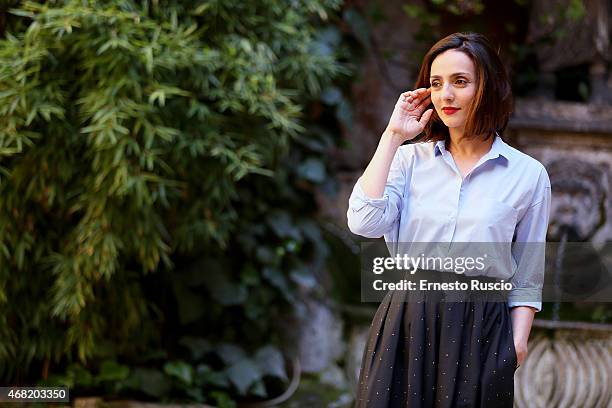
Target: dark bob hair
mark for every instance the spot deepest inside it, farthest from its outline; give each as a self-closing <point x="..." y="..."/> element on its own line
<point x="493" y="102"/>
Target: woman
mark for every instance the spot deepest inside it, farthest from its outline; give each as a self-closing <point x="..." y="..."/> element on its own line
<point x="459" y="183"/>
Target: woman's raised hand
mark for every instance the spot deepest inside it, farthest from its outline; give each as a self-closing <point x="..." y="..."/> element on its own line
<point x="409" y="116"/>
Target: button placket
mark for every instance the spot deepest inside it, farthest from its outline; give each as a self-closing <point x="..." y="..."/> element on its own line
<point x="452" y="216"/>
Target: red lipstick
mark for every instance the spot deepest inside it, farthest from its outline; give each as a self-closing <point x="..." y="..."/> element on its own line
<point x="449" y="110"/>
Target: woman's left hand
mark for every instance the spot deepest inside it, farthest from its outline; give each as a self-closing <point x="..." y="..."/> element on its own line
<point x="521" y="352"/>
<point x="522" y="319"/>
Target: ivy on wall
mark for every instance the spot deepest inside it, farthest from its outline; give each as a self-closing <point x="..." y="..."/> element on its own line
<point x="157" y="168"/>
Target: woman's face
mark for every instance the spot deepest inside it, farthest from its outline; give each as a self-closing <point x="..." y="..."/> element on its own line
<point x="453" y="85"/>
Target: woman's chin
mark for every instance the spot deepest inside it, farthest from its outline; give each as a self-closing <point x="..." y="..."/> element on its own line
<point x="452" y="123"/>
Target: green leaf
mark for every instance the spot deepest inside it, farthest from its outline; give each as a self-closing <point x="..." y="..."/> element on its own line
<point x="112" y="371"/>
<point x="243" y="374"/>
<point x="22" y="13"/>
<point x="82" y="377"/>
<point x="198" y="346"/>
<point x="151" y="382"/>
<point x="270" y="361"/>
<point x="205" y="376"/>
<point x="259" y="389"/>
<point x="180" y="370"/>
<point x="222" y="399"/>
<point x="196" y="393"/>
<point x="230" y="353"/>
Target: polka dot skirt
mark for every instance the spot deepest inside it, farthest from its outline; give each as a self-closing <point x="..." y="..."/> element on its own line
<point x="423" y="351"/>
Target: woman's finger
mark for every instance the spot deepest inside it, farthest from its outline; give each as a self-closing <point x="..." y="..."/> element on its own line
<point x="416" y="97"/>
<point x="418" y="103"/>
<point x="421" y="95"/>
<point x="424" y="102"/>
<point x="425" y="117"/>
<point x="416" y="92"/>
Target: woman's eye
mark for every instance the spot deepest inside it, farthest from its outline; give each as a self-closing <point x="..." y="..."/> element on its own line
<point x="461" y="82"/>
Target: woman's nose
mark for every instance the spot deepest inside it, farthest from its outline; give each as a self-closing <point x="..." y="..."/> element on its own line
<point x="447" y="93"/>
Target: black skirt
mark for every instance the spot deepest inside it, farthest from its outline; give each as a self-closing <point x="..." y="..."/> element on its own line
<point x="426" y="351"/>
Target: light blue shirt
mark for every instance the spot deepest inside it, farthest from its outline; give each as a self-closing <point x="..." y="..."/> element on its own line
<point x="505" y="198"/>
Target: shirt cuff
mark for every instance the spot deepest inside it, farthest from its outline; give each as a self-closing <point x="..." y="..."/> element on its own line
<point x="360" y="199"/>
<point x="535" y="305"/>
<point x="528" y="296"/>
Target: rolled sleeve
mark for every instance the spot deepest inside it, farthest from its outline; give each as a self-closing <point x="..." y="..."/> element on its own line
<point x="373" y="217"/>
<point x="359" y="199"/>
<point x="529" y="249"/>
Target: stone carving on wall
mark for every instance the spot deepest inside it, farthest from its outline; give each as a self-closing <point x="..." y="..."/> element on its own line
<point x="580" y="190"/>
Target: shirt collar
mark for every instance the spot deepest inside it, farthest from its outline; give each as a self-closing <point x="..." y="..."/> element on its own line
<point x="498" y="148"/>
